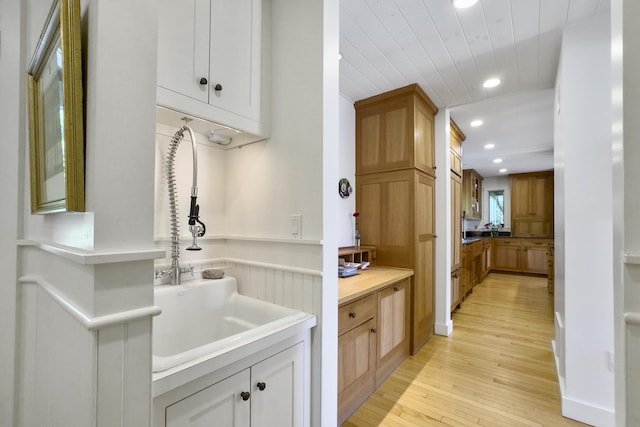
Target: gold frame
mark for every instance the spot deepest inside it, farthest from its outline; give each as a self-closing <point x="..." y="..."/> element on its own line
<point x="56" y="114"/>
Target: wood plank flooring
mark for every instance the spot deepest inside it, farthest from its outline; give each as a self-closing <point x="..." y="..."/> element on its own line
<point x="496" y="368"/>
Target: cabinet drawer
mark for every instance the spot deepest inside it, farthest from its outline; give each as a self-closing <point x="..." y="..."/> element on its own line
<point x="507" y="242"/>
<point x="535" y="243"/>
<point x="356" y="312"/>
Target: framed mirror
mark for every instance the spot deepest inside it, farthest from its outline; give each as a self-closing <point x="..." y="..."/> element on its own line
<point x="56" y="114"/>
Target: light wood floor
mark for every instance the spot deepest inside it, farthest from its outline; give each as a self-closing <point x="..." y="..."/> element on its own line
<point x="496" y="369"/>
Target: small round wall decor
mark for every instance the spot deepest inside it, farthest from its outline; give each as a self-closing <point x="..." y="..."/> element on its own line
<point x="344" y="188"/>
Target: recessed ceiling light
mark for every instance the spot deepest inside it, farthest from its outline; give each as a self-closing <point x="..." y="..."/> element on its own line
<point x="463" y="4"/>
<point x="497" y="160"/>
<point x="489" y="146"/>
<point x="476" y="123"/>
<point x="503" y="170"/>
<point x="492" y="82"/>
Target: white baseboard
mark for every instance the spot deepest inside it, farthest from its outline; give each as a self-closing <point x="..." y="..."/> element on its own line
<point x="443" y="329"/>
<point x="581" y="411"/>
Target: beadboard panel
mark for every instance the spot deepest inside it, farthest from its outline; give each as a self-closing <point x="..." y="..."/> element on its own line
<point x="298" y="289"/>
<point x="124" y="374"/>
<point x="56" y="363"/>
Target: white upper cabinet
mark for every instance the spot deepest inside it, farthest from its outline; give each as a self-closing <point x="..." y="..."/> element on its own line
<point x="210" y="61"/>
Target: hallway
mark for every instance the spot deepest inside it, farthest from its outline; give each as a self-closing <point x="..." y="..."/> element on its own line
<point x="496" y="368"/>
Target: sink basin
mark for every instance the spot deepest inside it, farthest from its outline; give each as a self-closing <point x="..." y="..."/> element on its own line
<point x="202" y="318"/>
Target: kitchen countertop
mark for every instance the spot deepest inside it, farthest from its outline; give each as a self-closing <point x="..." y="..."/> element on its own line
<point x="370" y="280"/>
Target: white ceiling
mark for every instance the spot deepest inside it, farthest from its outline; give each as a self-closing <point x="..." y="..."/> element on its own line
<point x="386" y="44"/>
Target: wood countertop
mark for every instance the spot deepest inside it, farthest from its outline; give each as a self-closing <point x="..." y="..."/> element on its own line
<point x="367" y="281"/>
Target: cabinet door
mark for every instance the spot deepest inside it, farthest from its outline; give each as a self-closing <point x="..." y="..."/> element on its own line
<point x="455" y="289"/>
<point x="220" y="404"/>
<point x="356" y="367"/>
<point x="236" y="61"/>
<point x="456" y="218"/>
<point x="277" y="390"/>
<point x="384" y="201"/>
<point x="506" y="255"/>
<point x="535" y="257"/>
<point x="424" y="265"/>
<point x="183" y="47"/>
<point x="383" y="137"/>
<point x="393" y="328"/>
<point x="520" y="190"/>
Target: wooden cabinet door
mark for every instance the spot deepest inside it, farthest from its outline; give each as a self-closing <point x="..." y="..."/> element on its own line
<point x="456" y="292"/>
<point x="423" y="317"/>
<point x="277" y="390"/>
<point x="383" y="136"/>
<point x="456" y="222"/>
<point x="220" y="404"/>
<point x="506" y="254"/>
<point x="183" y="56"/>
<point x="520" y="200"/>
<point x="385" y="202"/>
<point x="356" y="367"/>
<point x="424" y="157"/>
<point x="535" y="256"/>
<point x="393" y="328"/>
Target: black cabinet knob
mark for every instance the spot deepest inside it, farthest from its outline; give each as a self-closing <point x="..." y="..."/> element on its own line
<point x="352" y="315"/>
<point x="217" y="87"/>
<point x="261" y="386"/>
<point x="245" y="395"/>
<point x="203" y="81"/>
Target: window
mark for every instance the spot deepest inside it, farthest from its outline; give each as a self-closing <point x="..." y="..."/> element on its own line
<point x="496" y="207"/>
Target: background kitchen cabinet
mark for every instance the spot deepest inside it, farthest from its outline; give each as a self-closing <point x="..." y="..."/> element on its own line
<point x="210" y="61"/>
<point x="395" y="192"/>
<point x="521" y="255"/>
<point x="471" y="194"/>
<point x="394" y="130"/>
<point x="506" y="254"/>
<point x="532" y="205"/>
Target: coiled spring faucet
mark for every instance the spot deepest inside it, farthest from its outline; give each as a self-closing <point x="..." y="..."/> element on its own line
<point x="196" y="227"/>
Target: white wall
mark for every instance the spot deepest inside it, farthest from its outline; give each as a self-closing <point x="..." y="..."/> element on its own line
<point x="12" y="121"/>
<point x="583" y="180"/>
<point x="347" y="169"/>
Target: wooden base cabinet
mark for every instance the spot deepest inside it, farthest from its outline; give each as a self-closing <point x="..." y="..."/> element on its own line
<point x="521" y="255"/>
<point x="269" y="393"/>
<point x="373" y="340"/>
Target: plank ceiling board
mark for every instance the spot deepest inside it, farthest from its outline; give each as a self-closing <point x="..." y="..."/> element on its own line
<point x="500" y="28"/>
<point x="387" y="44"/>
<point x="429" y="40"/>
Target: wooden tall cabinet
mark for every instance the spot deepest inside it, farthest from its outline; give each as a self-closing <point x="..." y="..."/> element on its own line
<point x="395" y="192"/>
<point x="532" y="204"/>
<point x="455" y="174"/>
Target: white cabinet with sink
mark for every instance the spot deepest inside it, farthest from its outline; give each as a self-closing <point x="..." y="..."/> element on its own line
<point x="269" y="393"/>
<point x="210" y="61"/>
